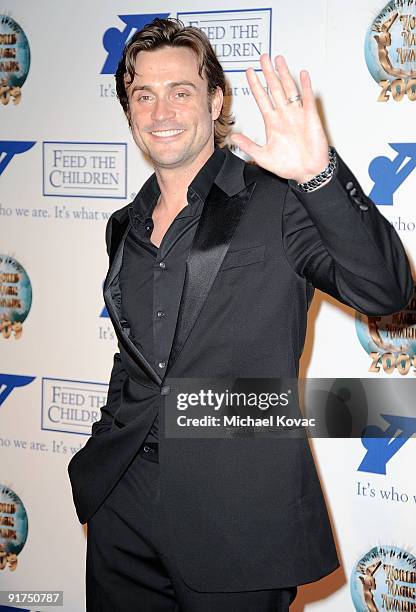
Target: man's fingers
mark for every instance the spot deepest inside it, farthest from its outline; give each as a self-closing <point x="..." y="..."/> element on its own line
<point x="308" y="99"/>
<point x="288" y="84"/>
<point x="259" y="93"/>
<point x="273" y="82"/>
<point x="245" y="144"/>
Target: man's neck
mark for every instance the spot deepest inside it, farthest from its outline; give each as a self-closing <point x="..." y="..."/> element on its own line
<point x="174" y="183"/>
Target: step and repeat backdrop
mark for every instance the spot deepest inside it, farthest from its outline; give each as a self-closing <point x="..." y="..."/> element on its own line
<point x="67" y="160"/>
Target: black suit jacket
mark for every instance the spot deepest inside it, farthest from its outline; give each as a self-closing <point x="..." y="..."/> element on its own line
<point x="243" y="514"/>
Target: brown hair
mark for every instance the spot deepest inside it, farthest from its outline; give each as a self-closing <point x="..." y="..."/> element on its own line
<point x="171" y="32"/>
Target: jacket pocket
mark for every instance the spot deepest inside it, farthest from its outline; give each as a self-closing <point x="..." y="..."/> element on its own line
<point x="243" y="257"/>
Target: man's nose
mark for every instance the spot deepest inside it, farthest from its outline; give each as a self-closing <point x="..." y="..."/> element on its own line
<point x="162" y="110"/>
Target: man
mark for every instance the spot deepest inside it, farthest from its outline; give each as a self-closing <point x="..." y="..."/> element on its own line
<point x="212" y="269"/>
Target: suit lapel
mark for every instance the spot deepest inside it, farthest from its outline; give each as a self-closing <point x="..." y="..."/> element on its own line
<point x="112" y="298"/>
<point x="219" y="219"/>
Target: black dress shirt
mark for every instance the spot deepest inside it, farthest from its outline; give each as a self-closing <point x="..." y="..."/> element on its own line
<point x="151" y="278"/>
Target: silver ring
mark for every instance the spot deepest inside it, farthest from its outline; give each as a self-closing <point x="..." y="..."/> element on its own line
<point x="294" y="98"/>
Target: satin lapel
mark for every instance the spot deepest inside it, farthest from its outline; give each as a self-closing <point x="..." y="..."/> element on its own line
<point x="219" y="219"/>
<point x="116" y="257"/>
<point x="113" y="308"/>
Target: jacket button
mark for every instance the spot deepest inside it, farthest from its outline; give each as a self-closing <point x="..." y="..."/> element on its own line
<point x="353" y="192"/>
<point x="162" y="364"/>
<point x="165" y="390"/>
<point x="349" y="186"/>
<point x="363" y="206"/>
<point x="357" y="200"/>
<point x="160" y="314"/>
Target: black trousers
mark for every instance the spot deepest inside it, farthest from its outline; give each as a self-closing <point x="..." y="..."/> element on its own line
<point x="129" y="568"/>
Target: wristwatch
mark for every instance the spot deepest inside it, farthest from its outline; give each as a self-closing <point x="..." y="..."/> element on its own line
<point x="323" y="176"/>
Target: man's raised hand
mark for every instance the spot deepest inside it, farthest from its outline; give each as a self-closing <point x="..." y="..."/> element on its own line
<point x="296" y="145"/>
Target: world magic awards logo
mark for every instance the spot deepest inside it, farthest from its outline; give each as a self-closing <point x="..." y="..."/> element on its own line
<point x="13" y="528"/>
<point x="390" y="51"/>
<point x="14" y="60"/>
<point x="15" y="297"/>
<point x="384" y="579"/>
<point x="390" y="341"/>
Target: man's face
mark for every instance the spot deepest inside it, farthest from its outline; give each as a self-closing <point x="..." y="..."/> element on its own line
<point x="169" y="110"/>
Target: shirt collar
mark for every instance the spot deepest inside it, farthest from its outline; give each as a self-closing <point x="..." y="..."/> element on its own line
<point x="145" y="201"/>
<point x="202" y="183"/>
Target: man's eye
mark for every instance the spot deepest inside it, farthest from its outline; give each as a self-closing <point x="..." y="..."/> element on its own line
<point x="144" y="98"/>
<point x="181" y="94"/>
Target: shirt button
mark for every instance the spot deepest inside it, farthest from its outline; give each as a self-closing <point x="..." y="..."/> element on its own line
<point x="160" y="314"/>
<point x="162" y="364"/>
<point x="162" y="264"/>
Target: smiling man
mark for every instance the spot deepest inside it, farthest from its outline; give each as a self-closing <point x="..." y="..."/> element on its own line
<point x="212" y="270"/>
<point x="169" y="110"/>
<point x="171" y="116"/>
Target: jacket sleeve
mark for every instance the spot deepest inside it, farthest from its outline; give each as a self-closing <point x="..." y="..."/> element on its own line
<point x="337" y="240"/>
<point x="117" y="378"/>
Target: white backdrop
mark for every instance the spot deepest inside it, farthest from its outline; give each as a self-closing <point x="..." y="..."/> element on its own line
<point x="53" y="226"/>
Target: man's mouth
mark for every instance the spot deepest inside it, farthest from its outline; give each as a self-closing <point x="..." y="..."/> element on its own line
<point x="166" y="133"/>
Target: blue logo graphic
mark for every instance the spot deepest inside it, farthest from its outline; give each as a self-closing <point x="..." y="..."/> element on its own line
<point x="115" y="39"/>
<point x="8" y="382"/>
<point x="384" y="444"/>
<point x="389" y="174"/>
<point x="10" y="148"/>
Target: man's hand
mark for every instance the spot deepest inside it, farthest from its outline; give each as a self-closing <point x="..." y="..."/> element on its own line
<point x="296" y="145"/>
